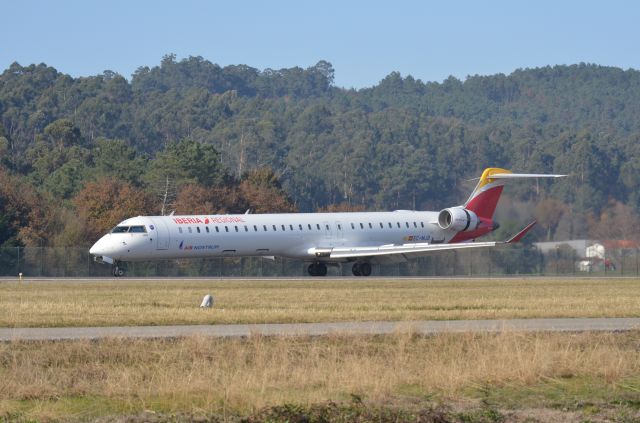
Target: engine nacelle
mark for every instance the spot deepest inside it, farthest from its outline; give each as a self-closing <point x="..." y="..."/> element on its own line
<point x="458" y="219"/>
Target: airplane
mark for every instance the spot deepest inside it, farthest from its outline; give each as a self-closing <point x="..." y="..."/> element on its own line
<point x="321" y="239"/>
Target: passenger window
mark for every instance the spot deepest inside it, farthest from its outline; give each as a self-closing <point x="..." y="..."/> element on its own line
<point x="283" y="228"/>
<point x="361" y="225"/>
<point x="353" y="226"/>
<point x="264" y="227"/>
<point x="246" y="229"/>
<point x="381" y="225"/>
<point x="207" y="229"/>
<point x="198" y="229"/>
<point x="180" y="230"/>
<point x="217" y="230"/>
<point x="309" y="225"/>
<point x="255" y="228"/>
<point x="390" y="227"/>
<point x="274" y="228"/>
<point x="398" y="224"/>
<point x="300" y="226"/>
<point x="318" y="225"/>
<point x="415" y="225"/>
<point x="190" y="229"/>
<point x="327" y="226"/>
<point x="422" y="224"/>
<point x="226" y="229"/>
<point x="236" y="228"/>
<point x="407" y="223"/>
<point x="339" y="227"/>
<point x="370" y="225"/>
<point x="291" y="227"/>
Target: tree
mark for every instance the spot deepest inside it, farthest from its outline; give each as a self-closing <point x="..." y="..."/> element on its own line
<point x="549" y="212"/>
<point x="262" y="192"/>
<point x="186" y="162"/>
<point x="66" y="181"/>
<point x="617" y="221"/>
<point x="5" y="152"/>
<point x="26" y="218"/>
<point x="62" y="133"/>
<point x="194" y="199"/>
<point x="106" y="202"/>
<point x="114" y="158"/>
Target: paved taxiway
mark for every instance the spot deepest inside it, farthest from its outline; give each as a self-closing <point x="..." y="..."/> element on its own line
<point x="316" y="329"/>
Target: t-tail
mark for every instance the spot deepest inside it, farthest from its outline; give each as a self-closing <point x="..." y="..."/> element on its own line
<point x="475" y="217"/>
<point x="484" y="198"/>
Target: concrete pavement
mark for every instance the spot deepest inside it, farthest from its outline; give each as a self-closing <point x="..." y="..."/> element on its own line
<point x="317" y="329"/>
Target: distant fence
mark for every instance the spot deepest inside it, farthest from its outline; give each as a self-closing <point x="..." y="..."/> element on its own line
<point x="76" y="262"/>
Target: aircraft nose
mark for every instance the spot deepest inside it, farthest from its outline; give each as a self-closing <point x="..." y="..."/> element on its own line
<point x="96" y="249"/>
<point x="102" y="247"/>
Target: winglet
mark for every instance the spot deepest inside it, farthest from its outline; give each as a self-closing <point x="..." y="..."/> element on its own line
<point x="517" y="237"/>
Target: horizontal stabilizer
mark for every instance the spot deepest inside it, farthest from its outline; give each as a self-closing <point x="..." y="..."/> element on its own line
<point x="517" y="237"/>
<point x="523" y="175"/>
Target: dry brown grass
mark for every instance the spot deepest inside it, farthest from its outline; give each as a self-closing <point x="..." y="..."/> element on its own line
<point x="47" y="380"/>
<point x="159" y="302"/>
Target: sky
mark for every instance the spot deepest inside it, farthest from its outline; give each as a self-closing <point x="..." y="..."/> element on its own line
<point x="364" y="40"/>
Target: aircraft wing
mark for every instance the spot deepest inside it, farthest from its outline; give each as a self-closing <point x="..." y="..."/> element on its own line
<point x="419" y="248"/>
<point x="408" y="249"/>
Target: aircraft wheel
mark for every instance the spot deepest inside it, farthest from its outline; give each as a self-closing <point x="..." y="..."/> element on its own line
<point x="317" y="269"/>
<point x="365" y="269"/>
<point x="312" y="269"/>
<point x="356" y="269"/>
<point x="117" y="271"/>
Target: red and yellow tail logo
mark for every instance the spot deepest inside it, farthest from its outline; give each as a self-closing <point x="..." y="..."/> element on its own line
<point x="484" y="198"/>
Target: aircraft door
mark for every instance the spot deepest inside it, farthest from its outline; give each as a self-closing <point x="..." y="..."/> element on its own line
<point x="162" y="234"/>
<point x="327" y="230"/>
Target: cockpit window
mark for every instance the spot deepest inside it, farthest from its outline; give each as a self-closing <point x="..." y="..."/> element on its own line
<point x="123" y="229"/>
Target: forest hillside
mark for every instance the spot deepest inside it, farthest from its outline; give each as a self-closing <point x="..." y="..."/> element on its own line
<point x="77" y="155"/>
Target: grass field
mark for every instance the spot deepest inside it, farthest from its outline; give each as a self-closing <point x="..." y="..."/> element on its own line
<point x="581" y="376"/>
<point x="402" y="377"/>
<point x="160" y="302"/>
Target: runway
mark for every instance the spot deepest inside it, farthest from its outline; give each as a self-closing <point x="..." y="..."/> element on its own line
<point x="425" y="327"/>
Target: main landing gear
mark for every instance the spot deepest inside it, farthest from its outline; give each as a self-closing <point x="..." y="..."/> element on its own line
<point x="117" y="269"/>
<point x="361" y="269"/>
<point x="317" y="269"/>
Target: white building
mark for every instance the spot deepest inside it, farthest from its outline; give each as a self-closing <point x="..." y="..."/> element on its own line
<point x="582" y="247"/>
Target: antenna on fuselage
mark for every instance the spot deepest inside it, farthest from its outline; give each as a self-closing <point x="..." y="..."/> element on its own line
<point x="172" y="212"/>
<point x="248" y="211"/>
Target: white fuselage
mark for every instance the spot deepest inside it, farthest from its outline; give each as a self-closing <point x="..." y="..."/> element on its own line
<point x="294" y="235"/>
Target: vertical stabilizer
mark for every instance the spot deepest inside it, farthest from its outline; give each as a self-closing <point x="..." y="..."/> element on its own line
<point x="484" y="198"/>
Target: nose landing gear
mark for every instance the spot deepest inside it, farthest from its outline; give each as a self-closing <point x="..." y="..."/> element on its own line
<point x="118" y="269"/>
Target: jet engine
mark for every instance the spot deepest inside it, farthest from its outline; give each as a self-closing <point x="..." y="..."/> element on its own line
<point x="458" y="219"/>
